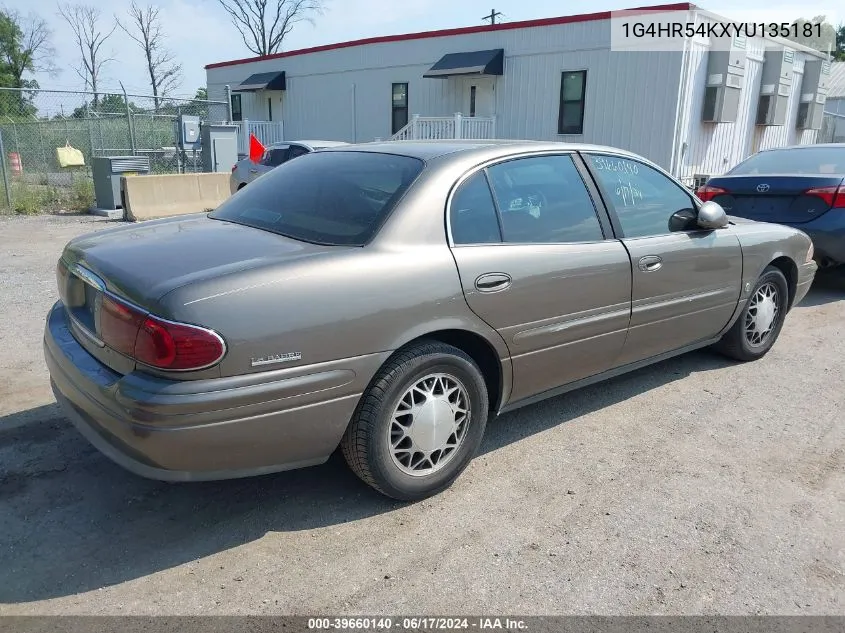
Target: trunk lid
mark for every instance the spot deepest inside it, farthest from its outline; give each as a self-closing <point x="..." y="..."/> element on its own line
<point x="774" y="198"/>
<point x="142" y="263"/>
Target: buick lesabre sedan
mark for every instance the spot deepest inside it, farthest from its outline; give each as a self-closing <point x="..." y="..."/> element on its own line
<point x="389" y="298"/>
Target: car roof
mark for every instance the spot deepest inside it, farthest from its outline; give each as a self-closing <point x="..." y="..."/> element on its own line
<point x="428" y="150"/>
<point x="310" y="143"/>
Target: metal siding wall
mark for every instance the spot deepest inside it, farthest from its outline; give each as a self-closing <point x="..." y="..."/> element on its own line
<point x="630" y="99"/>
<point x="713" y="148"/>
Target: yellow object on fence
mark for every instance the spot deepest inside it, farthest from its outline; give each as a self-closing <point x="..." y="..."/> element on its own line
<point x="69" y="156"/>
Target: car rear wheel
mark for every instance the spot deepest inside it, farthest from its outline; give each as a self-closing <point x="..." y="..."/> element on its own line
<point x="419" y="423"/>
<point x="759" y="325"/>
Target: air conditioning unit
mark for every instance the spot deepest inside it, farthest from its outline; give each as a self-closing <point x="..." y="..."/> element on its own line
<point x="107" y="171"/>
<point x="813" y="95"/>
<point x="725" y="76"/>
<point x="776" y="87"/>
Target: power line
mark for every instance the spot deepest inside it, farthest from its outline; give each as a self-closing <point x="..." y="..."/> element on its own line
<point x="493" y="15"/>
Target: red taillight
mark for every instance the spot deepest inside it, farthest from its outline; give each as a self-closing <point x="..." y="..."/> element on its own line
<point x="169" y="345"/>
<point x="119" y="325"/>
<point x="155" y="341"/>
<point x="834" y="196"/>
<point x="706" y="193"/>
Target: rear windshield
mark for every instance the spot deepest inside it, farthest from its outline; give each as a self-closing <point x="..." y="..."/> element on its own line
<point x="810" y="160"/>
<point x="335" y="198"/>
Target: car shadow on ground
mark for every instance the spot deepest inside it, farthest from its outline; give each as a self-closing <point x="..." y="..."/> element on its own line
<point x="828" y="286"/>
<point x="72" y="521"/>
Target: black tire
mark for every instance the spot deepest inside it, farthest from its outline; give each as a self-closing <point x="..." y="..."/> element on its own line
<point x="735" y="343"/>
<point x="366" y="444"/>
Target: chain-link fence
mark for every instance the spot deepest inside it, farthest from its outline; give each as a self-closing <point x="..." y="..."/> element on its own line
<point x="833" y="128"/>
<point x="37" y="127"/>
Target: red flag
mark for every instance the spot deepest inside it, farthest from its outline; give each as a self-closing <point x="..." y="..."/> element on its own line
<point x="256" y="149"/>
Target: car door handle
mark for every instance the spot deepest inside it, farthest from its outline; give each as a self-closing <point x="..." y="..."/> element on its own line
<point x="492" y="282"/>
<point x="650" y="263"/>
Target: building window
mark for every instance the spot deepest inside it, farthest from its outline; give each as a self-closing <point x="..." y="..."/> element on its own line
<point x="803" y="111"/>
<point x="472" y="100"/>
<point x="399" y="107"/>
<point x="269" y="109"/>
<point x="573" y="86"/>
<point x="237" y="113"/>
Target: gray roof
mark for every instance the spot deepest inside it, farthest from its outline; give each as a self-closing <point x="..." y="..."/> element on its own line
<point x="836" y="87"/>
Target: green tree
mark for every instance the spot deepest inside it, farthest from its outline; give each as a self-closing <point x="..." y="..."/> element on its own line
<point x="24" y="50"/>
<point x="822" y="39"/>
<point x="840" y="43"/>
<point x="106" y="104"/>
<point x="202" y="93"/>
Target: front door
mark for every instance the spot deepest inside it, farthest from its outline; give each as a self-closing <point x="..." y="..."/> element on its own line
<point x="479" y="97"/>
<point x="535" y="264"/>
<point x="686" y="282"/>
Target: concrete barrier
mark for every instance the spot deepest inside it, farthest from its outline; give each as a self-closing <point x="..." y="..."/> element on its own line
<point x="150" y="197"/>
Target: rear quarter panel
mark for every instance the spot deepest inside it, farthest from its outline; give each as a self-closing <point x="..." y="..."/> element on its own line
<point x="357" y="302"/>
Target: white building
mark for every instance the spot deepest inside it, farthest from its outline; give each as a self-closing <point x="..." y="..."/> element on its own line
<point x="835" y="103"/>
<point x="694" y="111"/>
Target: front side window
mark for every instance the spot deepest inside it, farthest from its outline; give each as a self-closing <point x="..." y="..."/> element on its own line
<point x="544" y="200"/>
<point x="237" y="113"/>
<point x="643" y="198"/>
<point x="332" y="198"/>
<point x="573" y="89"/>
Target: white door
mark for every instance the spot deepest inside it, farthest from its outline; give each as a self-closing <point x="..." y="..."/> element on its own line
<point x="479" y="97"/>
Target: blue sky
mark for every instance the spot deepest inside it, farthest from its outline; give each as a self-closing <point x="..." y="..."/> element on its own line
<point x="200" y="33"/>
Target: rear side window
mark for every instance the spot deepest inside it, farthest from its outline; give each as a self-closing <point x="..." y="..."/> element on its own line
<point x="543" y="199"/>
<point x="334" y="198"/>
<point x="473" y="214"/>
<point x="296" y="150"/>
<point x="275" y="156"/>
<point x="809" y="160"/>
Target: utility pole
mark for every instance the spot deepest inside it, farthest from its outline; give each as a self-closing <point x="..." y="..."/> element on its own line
<point x="493" y="15"/>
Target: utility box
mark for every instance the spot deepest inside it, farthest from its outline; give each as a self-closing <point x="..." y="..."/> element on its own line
<point x="107" y="171"/>
<point x="813" y="95"/>
<point x="219" y="147"/>
<point x="188" y="132"/>
<point x="725" y="77"/>
<point x="776" y="87"/>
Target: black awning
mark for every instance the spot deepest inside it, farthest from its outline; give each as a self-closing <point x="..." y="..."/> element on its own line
<point x="262" y="81"/>
<point x="470" y="63"/>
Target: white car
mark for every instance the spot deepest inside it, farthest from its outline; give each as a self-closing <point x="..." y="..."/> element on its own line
<point x="245" y="171"/>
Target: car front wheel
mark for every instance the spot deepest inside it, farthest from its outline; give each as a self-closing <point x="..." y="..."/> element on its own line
<point x="419" y="423"/>
<point x="759" y="325"/>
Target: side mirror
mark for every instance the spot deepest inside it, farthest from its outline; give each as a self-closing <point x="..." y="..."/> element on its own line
<point x="683" y="220"/>
<point x="712" y="216"/>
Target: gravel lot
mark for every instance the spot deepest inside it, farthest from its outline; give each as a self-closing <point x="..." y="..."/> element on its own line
<point x="694" y="486"/>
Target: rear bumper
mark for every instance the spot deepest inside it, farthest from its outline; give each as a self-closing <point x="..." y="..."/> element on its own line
<point x="828" y="235"/>
<point x="218" y="428"/>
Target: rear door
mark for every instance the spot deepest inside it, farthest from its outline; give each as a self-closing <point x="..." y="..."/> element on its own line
<point x="538" y="263"/>
<point x="686" y="283"/>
